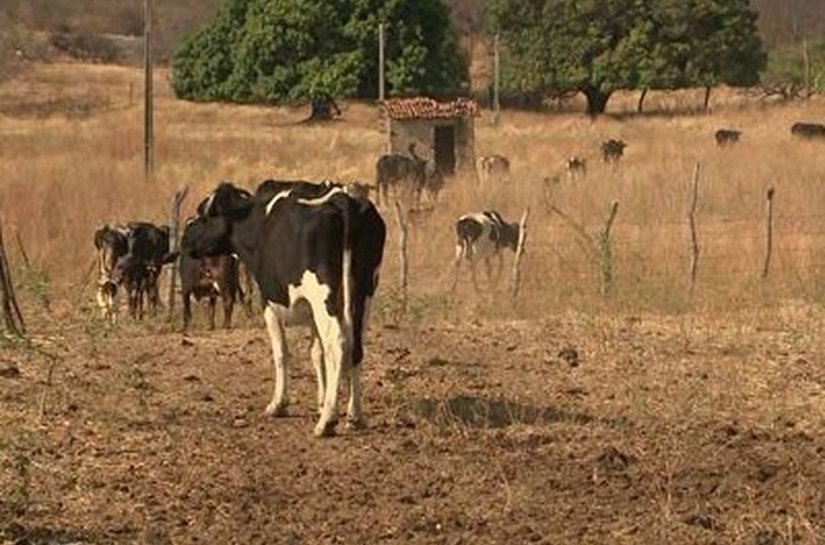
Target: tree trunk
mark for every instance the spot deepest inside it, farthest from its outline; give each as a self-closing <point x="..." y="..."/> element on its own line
<point x="596" y="100"/>
<point x="641" y="107"/>
<point x="708" y="89"/>
<point x="324" y="108"/>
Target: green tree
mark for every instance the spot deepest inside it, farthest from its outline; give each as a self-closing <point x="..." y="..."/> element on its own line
<point x="599" y="46"/>
<point x="275" y="50"/>
<point x="706" y="43"/>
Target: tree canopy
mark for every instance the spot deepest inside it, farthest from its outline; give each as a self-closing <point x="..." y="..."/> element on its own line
<point x="600" y="46"/>
<point x="274" y="50"/>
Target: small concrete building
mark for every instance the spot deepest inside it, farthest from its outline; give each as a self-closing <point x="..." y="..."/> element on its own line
<point x="444" y="131"/>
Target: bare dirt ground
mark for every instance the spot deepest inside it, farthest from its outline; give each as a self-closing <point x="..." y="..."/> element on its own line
<point x="571" y="429"/>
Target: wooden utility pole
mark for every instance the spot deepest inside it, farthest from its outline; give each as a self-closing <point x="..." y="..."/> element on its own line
<point x="381" y="60"/>
<point x="174" y="228"/>
<point x="496" y="76"/>
<point x="148" y="92"/>
<point x="806" y="59"/>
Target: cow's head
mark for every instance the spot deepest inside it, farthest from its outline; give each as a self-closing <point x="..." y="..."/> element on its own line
<point x="224" y="199"/>
<point x="509" y="235"/>
<point x="111" y="244"/>
<point x="206" y="236"/>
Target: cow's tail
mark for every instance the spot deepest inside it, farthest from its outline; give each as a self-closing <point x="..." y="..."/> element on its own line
<point x="346" y="285"/>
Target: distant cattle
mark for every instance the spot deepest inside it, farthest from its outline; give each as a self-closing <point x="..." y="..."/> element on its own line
<point x="612" y="150"/>
<point x="493" y="168"/>
<point x="311" y="249"/>
<point x="111" y="244"/>
<point x="727" y="137"/>
<point x="139" y="269"/>
<point x="483" y="236"/>
<point x="576" y="166"/>
<point x="410" y="173"/>
<point x="210" y="277"/>
<point x="808" y="131"/>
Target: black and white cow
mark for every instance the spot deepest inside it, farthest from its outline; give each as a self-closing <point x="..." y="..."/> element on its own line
<point x="315" y="253"/>
<point x="111" y="244"/>
<point x="483" y="236"/>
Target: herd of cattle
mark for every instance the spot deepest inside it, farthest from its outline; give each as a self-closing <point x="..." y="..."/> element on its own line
<point x="314" y="252"/>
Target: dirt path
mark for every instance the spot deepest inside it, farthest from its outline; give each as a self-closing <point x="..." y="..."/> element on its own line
<point x="571" y="430"/>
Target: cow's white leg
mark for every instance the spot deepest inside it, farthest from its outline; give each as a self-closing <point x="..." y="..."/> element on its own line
<point x="274" y="325"/>
<point x="473" y="273"/>
<point x="316" y="353"/>
<point x="101" y="303"/>
<point x="333" y="341"/>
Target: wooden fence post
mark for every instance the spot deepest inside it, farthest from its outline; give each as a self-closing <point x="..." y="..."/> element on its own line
<point x="606" y="252"/>
<point x="515" y="279"/>
<point x="401" y="217"/>
<point x="694" y="239"/>
<point x="174" y="228"/>
<point x="12" y="316"/>
<point x="768" y="233"/>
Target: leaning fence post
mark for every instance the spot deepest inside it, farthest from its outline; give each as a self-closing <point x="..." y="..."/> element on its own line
<point x="515" y="279"/>
<point x="12" y="316"/>
<point x="694" y="239"/>
<point x="401" y="217"/>
<point x="768" y="233"/>
<point x="606" y="252"/>
<point x="174" y="228"/>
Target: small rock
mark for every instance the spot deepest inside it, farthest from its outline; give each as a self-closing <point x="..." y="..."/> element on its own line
<point x="9" y="369"/>
<point x="186" y="342"/>
<point x="702" y="520"/>
<point x="239" y="422"/>
<point x="570" y="355"/>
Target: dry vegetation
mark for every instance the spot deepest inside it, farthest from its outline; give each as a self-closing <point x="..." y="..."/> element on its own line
<point x="677" y="422"/>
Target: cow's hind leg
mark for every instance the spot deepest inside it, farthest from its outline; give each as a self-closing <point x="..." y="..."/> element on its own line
<point x="228" y="299"/>
<point x="275" y="328"/>
<point x="187" y="309"/>
<point x="355" y="419"/>
<point x="316" y="354"/>
<point x="333" y="341"/>
<point x="213" y="301"/>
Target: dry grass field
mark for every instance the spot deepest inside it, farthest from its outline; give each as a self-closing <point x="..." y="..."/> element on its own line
<point x="632" y="417"/>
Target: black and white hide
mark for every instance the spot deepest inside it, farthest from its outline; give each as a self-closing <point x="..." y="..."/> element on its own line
<point x="315" y="253"/>
<point x="483" y="236"/>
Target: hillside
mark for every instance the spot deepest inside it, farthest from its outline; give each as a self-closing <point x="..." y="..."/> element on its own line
<point x="781" y="21"/>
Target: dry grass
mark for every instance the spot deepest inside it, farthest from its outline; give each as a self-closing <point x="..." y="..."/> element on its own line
<point x="66" y="174"/>
<point x="702" y="427"/>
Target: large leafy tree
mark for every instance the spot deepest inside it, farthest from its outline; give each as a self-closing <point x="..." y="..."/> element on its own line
<point x="274" y="50"/>
<point x="599" y="46"/>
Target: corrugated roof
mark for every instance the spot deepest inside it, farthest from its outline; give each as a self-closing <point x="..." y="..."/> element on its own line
<point x="427" y="108"/>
